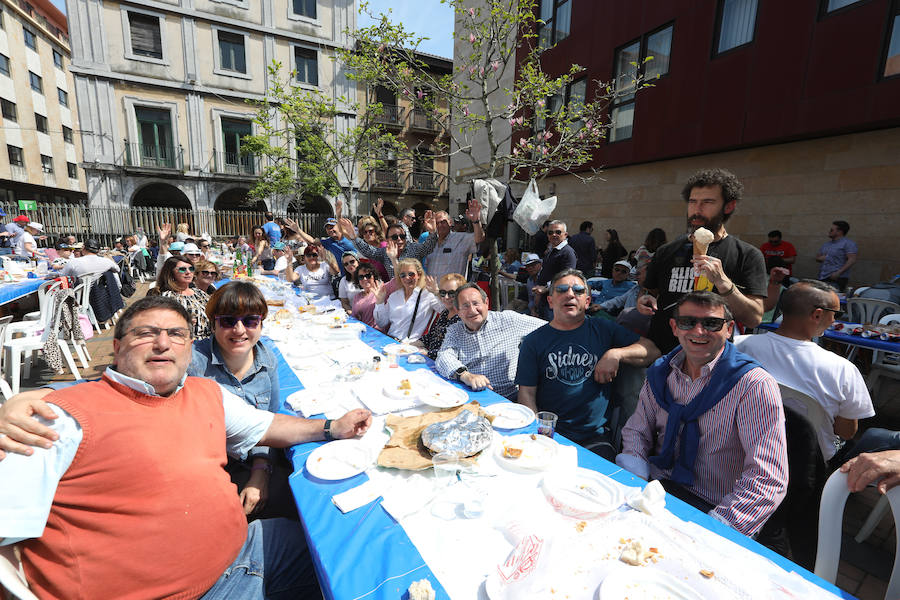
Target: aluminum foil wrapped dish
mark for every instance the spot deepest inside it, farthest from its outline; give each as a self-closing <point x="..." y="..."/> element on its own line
<point x="466" y="434"/>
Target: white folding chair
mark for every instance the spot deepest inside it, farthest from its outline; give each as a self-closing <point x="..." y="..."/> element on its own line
<point x="812" y="410"/>
<point x="4" y="386"/>
<point x="831" y="516"/>
<point x="869" y="310"/>
<point x="12" y="576"/>
<point x="884" y="364"/>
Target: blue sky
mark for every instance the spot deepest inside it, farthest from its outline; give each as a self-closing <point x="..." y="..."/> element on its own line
<point x="424" y="17"/>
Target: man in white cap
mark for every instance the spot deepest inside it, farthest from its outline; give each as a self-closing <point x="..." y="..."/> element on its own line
<point x="26" y="246"/>
<point x="531" y="268"/>
<point x="612" y="288"/>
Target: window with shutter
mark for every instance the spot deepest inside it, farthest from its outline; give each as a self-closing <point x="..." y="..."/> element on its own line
<point x="146" y="38"/>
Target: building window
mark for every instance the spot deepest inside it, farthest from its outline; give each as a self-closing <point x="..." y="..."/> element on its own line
<point x="231" y="52"/>
<point x="37" y="84"/>
<point x="67" y="135"/>
<point x="40" y="123"/>
<point x="737" y="23"/>
<point x="15" y="156"/>
<point x="233" y="131"/>
<point x="155" y="142"/>
<point x="2" y="25"/>
<point x="307" y="65"/>
<point x="58" y="59"/>
<point x="30" y="38"/>
<point x="892" y="52"/>
<point x="305" y="8"/>
<point x="9" y="110"/>
<point x="631" y="64"/>
<point x="146" y="35"/>
<point x="46" y="163"/>
<point x="4" y="64"/>
<point x="72" y="169"/>
<point x="557" y="22"/>
<point x="63" y="97"/>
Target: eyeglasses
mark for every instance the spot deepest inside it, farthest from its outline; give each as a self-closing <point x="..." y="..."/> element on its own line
<point x="147" y="333"/>
<point x="837" y="313"/>
<point x="327" y="227"/>
<point x="555" y="232"/>
<point x="366" y="276"/>
<point x="707" y="323"/>
<point x="408" y="275"/>
<point x="350" y="262"/>
<point x="185" y="269"/>
<point x="577" y="289"/>
<point x="311" y="254"/>
<point x="368" y="231"/>
<point x="397" y="237"/>
<point x="204" y="246"/>
<point x="230" y="321"/>
<point x="447" y="293"/>
<point x="209" y="273"/>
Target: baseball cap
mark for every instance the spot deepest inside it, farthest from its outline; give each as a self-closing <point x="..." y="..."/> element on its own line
<point x="176" y="246"/>
<point x="21" y="219"/>
<point x="92" y="245"/>
<point x="278" y="246"/>
<point x="63" y="246"/>
<point x="531" y="258"/>
<point x="190" y="249"/>
<point x="2" y="213"/>
<point x="36" y="225"/>
<point x="622" y="263"/>
<point x="331" y="221"/>
<point x="77" y="246"/>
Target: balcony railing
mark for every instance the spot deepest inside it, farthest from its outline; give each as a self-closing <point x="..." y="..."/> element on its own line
<point x="424" y="182"/>
<point x="235" y="163"/>
<point x="152" y="156"/>
<point x="391" y="115"/>
<point x="419" y="119"/>
<point x="385" y="179"/>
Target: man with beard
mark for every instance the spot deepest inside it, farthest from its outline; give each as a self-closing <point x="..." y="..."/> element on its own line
<point x="733" y="268"/>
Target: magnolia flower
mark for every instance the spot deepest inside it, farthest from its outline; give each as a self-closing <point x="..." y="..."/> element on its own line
<point x="472" y="38"/>
<point x="540" y="103"/>
<point x="420" y="94"/>
<point x="548" y="135"/>
<point x="523" y="142"/>
<point x="466" y="111"/>
<point x="515" y="151"/>
<point x="471" y="12"/>
<point x="481" y="71"/>
<point x="472" y="70"/>
<point x="580" y="135"/>
<point x="512" y="121"/>
<point x="544" y="151"/>
<point x="589" y="124"/>
<point x="495" y="65"/>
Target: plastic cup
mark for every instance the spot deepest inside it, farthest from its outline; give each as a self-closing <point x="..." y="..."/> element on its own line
<point x="546" y="423"/>
<point x="446" y="468"/>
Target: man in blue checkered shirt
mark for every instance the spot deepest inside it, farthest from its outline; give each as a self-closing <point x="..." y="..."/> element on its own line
<point x="482" y="349"/>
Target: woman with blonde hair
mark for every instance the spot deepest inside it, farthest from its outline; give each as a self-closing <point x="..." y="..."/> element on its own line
<point x="181" y="232"/>
<point x="205" y="275"/>
<point x="447" y="287"/>
<point x="405" y="314"/>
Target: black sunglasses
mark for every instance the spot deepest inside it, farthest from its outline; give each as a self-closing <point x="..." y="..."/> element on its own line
<point x="577" y="289"/>
<point x="367" y="276"/>
<point x="397" y="237"/>
<point x="555" y="232"/>
<point x="311" y="254"/>
<point x="837" y="312"/>
<point x="230" y="321"/>
<point x="447" y="293"/>
<point x="210" y="273"/>
<point x="707" y="323"/>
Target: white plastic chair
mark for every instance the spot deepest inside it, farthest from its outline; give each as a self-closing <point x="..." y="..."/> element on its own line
<point x="508" y="288"/>
<point x="884" y="364"/>
<point x="812" y="410"/>
<point x="83" y="298"/>
<point x="48" y="287"/>
<point x="4" y="386"/>
<point x="12" y="576"/>
<point x="869" y="310"/>
<point x="831" y="516"/>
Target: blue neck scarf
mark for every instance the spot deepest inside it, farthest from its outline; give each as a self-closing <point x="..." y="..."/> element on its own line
<point x="731" y="366"/>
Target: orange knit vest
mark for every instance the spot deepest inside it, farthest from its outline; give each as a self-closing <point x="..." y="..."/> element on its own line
<point x="146" y="509"/>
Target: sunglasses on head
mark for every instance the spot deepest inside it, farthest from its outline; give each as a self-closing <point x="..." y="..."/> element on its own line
<point x="555" y="232"/>
<point x="577" y="289"/>
<point x="397" y="237"/>
<point x="231" y="321"/>
<point x="837" y="313"/>
<point x="185" y="269"/>
<point x="707" y="323"/>
<point x="447" y="293"/>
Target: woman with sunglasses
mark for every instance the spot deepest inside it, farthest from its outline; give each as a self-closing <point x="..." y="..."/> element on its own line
<point x="262" y="250"/>
<point x="175" y="280"/>
<point x="404" y="314"/>
<point x="432" y="340"/>
<point x="235" y="358"/>
<point x="347" y="288"/>
<point x="372" y="233"/>
<point x="397" y="235"/>
<point x="313" y="276"/>
<point x="369" y="284"/>
<point x="205" y="275"/>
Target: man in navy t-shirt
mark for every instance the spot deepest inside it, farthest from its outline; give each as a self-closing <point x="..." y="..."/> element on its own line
<point x="567" y="365"/>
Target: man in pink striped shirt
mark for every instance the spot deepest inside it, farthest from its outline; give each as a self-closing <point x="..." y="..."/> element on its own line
<point x="709" y="423"/>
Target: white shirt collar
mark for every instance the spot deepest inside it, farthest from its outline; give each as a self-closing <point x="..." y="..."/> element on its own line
<point x="136" y="384"/>
<point x="562" y="244"/>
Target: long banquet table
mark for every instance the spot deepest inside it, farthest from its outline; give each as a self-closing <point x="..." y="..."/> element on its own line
<point x="365" y="553"/>
<point x="13" y="291"/>
<point x="873" y="343"/>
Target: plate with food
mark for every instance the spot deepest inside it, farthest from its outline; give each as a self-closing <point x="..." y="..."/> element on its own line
<point x="642" y="583"/>
<point x="338" y="460"/>
<point x="443" y="396"/>
<point x="404" y="389"/>
<point x="509" y="415"/>
<point x="401" y="349"/>
<point x="527" y="452"/>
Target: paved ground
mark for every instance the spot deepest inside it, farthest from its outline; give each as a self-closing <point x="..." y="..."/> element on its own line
<point x="864" y="570"/>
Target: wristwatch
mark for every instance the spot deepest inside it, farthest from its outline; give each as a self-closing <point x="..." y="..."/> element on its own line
<point x="327" y="431"/>
<point x="458" y="373"/>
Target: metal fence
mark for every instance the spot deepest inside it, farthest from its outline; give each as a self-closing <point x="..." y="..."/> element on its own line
<point x="107" y="224"/>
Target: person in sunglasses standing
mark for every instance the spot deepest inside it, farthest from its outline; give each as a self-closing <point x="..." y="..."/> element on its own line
<point x="709" y="422"/>
<point x="560" y="257"/>
<point x="567" y="365"/>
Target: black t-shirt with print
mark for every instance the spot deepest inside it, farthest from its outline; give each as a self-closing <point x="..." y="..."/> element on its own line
<point x="671" y="273"/>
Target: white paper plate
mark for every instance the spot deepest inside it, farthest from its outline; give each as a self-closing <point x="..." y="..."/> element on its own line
<point x="339" y="459"/>
<point x="587" y="495"/>
<point x="643" y="583"/>
<point x="538" y="452"/>
<point x="392" y="389"/>
<point x="509" y="415"/>
<point x="443" y="396"/>
<point x="401" y="349"/>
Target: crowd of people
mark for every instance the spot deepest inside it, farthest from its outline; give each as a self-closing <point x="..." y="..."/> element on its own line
<point x="707" y="416"/>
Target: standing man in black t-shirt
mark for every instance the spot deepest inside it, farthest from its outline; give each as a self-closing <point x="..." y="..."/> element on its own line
<point x="733" y="268"/>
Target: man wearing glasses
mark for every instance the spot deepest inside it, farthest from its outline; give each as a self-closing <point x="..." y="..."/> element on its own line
<point x="560" y="257"/>
<point x="135" y="478"/>
<point x="567" y="366"/>
<point x="615" y="287"/>
<point x="791" y="357"/>
<point x="709" y="423"/>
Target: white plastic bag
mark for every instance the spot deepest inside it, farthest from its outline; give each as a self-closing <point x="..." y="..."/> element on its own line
<point x="488" y="192"/>
<point x="532" y="211"/>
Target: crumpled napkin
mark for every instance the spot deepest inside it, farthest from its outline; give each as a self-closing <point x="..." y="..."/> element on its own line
<point x="651" y="500"/>
<point x="357" y="496"/>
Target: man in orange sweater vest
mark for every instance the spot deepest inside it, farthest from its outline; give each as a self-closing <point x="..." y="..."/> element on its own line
<point x="132" y="500"/>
